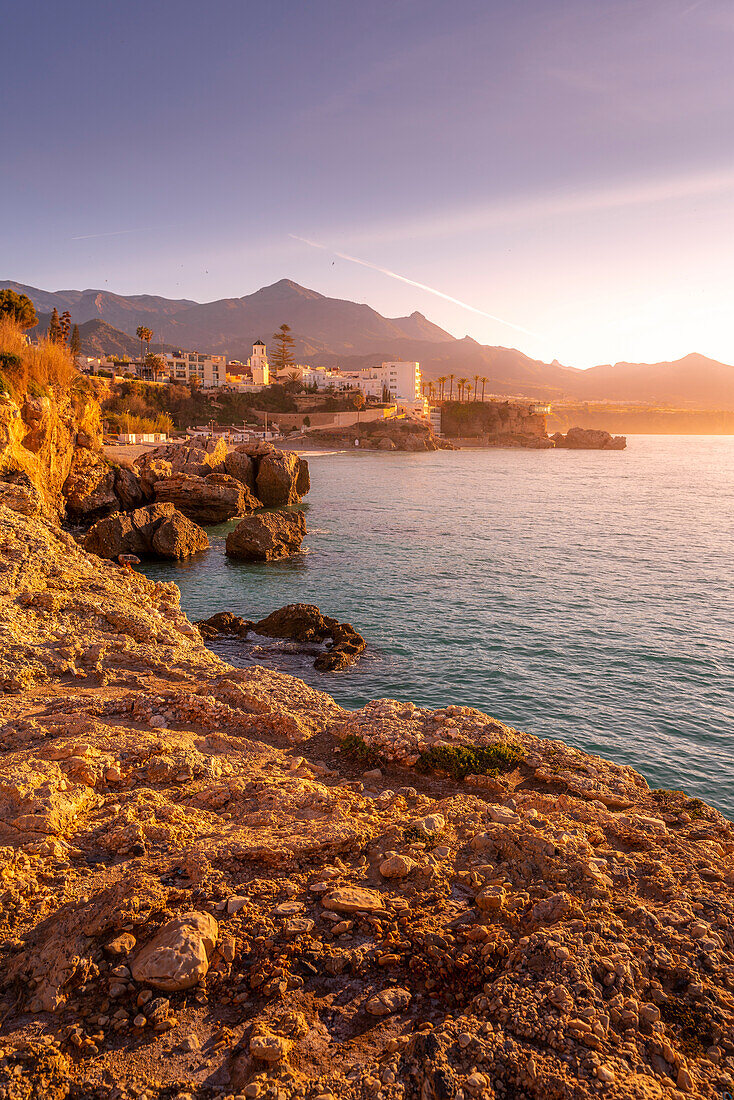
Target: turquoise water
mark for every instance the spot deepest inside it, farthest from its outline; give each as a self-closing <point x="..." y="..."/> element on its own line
<point x="587" y="596"/>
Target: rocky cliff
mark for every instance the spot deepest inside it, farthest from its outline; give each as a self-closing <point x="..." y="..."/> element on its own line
<point x="495" y="423"/>
<point x="41" y="439"/>
<point x="216" y="882"/>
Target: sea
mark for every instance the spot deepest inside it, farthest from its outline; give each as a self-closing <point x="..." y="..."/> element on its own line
<point x="581" y="595"/>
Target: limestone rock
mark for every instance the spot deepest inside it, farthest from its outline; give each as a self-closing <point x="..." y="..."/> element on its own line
<point x="89" y="488"/>
<point x="211" y="499"/>
<point x="178" y="537"/>
<point x="353" y="899"/>
<point x="240" y="465"/>
<point x="388" y="1001"/>
<point x="397" y="866"/>
<point x="158" y="530"/>
<point x="128" y="488"/>
<point x="198" y="457"/>
<point x="589" y="439"/>
<point x="267" y="1047"/>
<point x="303" y="622"/>
<point x="279" y="475"/>
<point x="21" y="495"/>
<point x="267" y="536"/>
<point x="178" y="955"/>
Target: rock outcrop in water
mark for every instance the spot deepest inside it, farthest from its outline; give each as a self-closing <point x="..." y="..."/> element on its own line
<point x="158" y="531"/>
<point x="267" y="536"/>
<point x="299" y="622"/>
<point x="589" y="439"/>
<point x="406" y="434"/>
<point x="211" y="484"/>
<point x="392" y="902"/>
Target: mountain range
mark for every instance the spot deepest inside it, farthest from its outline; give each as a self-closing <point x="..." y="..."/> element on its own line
<point x="334" y="331"/>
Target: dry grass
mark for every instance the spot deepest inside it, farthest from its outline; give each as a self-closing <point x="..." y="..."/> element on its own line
<point x="32" y="369"/>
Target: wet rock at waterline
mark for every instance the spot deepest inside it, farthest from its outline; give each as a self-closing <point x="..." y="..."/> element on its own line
<point x="268" y="536"/>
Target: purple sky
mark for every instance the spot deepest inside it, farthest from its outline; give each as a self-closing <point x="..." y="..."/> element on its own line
<point x="565" y="166"/>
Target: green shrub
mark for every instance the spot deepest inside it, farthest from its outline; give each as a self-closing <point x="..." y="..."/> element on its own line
<point x="462" y="760"/>
<point x="354" y="745"/>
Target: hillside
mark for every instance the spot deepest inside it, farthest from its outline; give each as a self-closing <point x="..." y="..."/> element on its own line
<point x="330" y="331"/>
<point x="693" y="380"/>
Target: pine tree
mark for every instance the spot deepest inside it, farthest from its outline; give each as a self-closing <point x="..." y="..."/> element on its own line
<point x="282" y="356"/>
<point x="75" y="343"/>
<point x="54" y="328"/>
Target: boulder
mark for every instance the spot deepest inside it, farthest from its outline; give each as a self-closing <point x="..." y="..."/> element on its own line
<point x="278" y="476"/>
<point x="200" y="457"/>
<point x="178" y="955"/>
<point x="589" y="439"/>
<point x="353" y="899"/>
<point x="211" y="499"/>
<point x="267" y="536"/>
<point x="240" y="466"/>
<point x="155" y="531"/>
<point x="224" y="622"/>
<point x="156" y="470"/>
<point x="89" y="488"/>
<point x="304" y="622"/>
<point x="178" y="537"/>
<point x="128" y="488"/>
<point x="389" y="1001"/>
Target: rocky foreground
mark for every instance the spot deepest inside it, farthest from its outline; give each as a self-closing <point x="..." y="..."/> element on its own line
<point x="216" y="882"/>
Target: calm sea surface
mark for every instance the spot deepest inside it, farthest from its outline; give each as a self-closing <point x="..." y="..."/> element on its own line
<point x="587" y="596"/>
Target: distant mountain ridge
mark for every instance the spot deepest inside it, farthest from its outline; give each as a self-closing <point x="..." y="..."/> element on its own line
<point x="335" y="331"/>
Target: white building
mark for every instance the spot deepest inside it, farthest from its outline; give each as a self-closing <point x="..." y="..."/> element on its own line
<point x="258" y="364"/>
<point x="190" y="366"/>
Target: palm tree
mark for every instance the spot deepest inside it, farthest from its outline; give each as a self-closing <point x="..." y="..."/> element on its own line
<point x="476" y="383"/>
<point x="442" y="385"/>
<point x="484" y="383"/>
<point x="144" y="335"/>
<point x="451" y="388"/>
<point x="462" y="383"/>
<point x="431" y="391"/>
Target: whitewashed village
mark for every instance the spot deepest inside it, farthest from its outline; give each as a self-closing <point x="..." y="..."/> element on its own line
<point x="390" y="390"/>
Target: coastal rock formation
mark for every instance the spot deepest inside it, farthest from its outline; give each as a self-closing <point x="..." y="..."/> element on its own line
<point x="40" y="437"/>
<point x="89" y="489"/>
<point x="267" y="536"/>
<point x="299" y="622"/>
<point x="589" y="439"/>
<point x="240" y="465"/>
<point x="211" y="499"/>
<point x="483" y="914"/>
<point x="282" y="479"/>
<point x="270" y="477"/>
<point x="200" y="457"/>
<point x="158" y="531"/>
<point x="495" y="424"/>
<point x="304" y="622"/>
<point x="405" y="434"/>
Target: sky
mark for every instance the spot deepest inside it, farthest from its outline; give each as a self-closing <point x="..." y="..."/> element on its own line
<point x="561" y="172"/>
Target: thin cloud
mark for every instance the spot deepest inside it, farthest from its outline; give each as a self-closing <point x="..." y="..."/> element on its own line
<point x="413" y="282"/>
<point x="542" y="207"/>
<point x="113" y="233"/>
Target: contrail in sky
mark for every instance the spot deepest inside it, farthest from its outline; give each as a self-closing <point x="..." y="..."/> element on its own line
<point x="412" y="282"/>
<point x="114" y="233"/>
